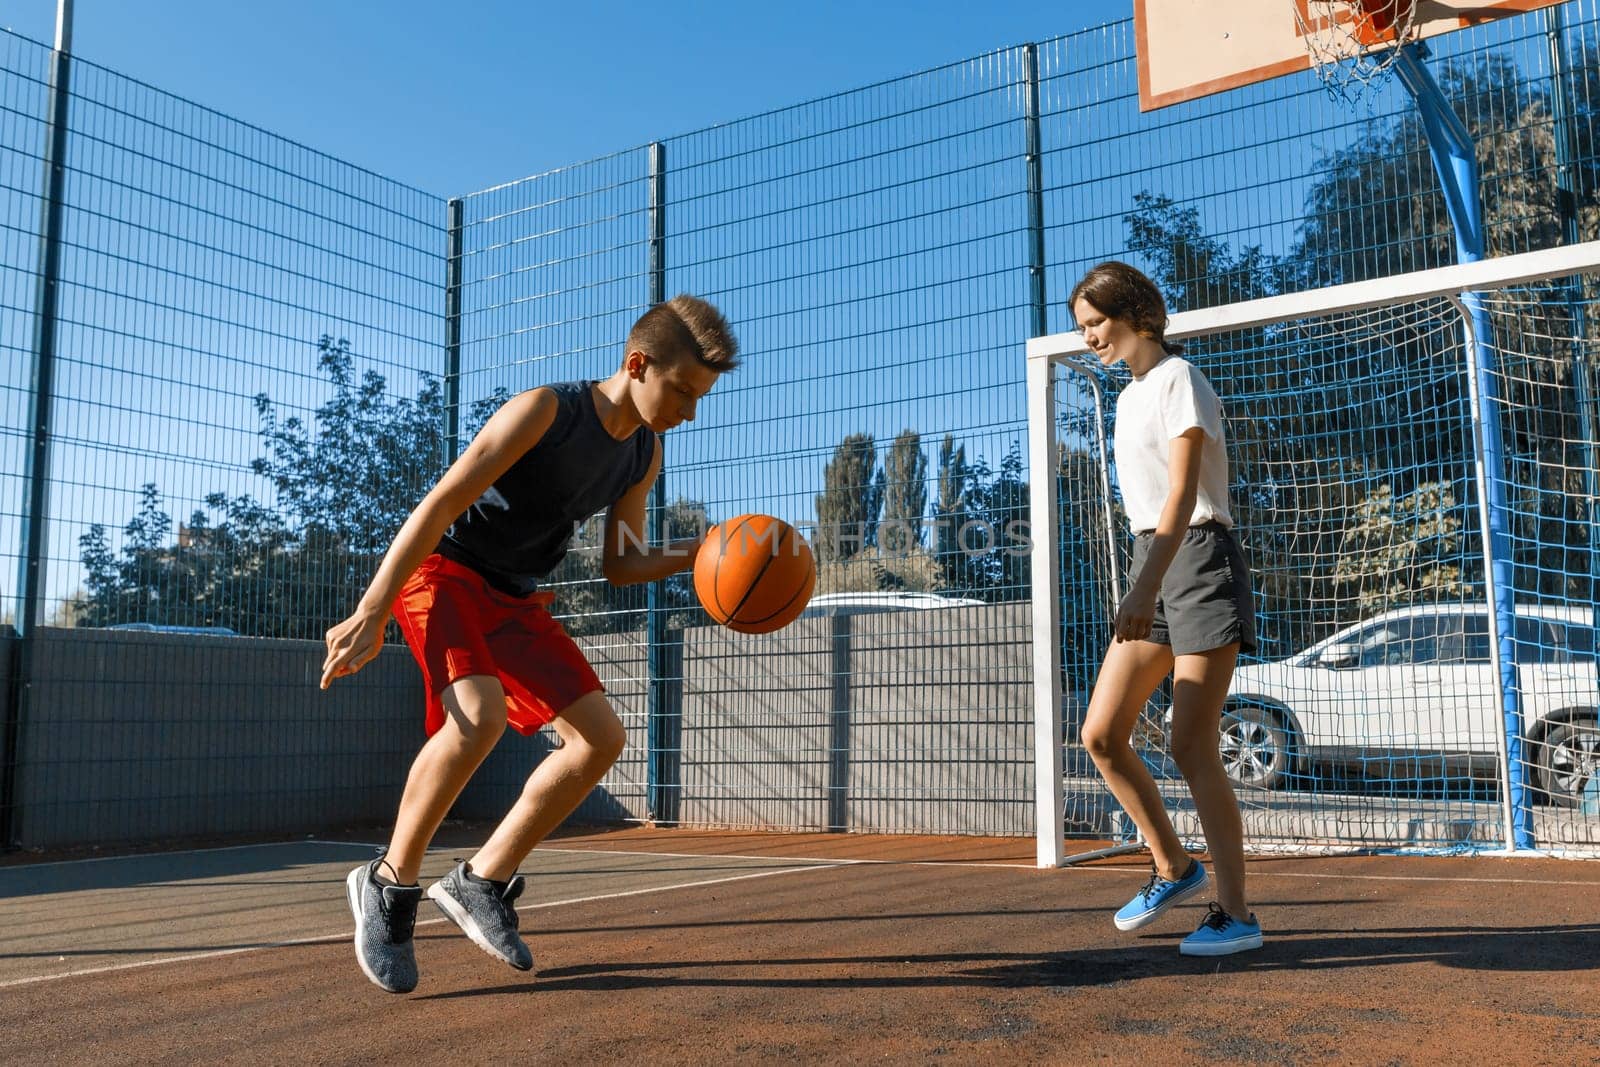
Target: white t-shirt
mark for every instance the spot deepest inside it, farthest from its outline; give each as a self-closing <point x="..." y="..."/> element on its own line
<point x="1172" y="398"/>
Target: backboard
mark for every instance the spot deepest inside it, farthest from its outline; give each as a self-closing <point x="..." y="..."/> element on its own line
<point x="1193" y="48"/>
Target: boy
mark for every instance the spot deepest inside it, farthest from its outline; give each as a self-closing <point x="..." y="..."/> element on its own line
<point x="461" y="579"/>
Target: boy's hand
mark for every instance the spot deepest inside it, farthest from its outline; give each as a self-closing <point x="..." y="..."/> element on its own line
<point x="352" y="644"/>
<point x="696" y="543"/>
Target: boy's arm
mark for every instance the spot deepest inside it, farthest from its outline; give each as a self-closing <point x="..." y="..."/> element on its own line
<point x="505" y="438"/>
<point x="627" y="557"/>
<point x="1138" y="609"/>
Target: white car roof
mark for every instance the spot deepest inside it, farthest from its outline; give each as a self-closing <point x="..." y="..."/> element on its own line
<point x="831" y="603"/>
<point x="1561" y="612"/>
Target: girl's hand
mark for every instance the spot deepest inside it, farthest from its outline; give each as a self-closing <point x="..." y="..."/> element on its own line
<point x="1135" y="614"/>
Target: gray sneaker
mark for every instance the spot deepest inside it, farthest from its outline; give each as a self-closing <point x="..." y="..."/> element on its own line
<point x="385" y="915"/>
<point x="485" y="913"/>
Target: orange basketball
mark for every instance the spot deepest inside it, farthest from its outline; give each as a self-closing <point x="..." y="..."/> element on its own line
<point x="754" y="574"/>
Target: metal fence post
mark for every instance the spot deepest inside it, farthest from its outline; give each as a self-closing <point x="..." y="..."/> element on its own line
<point x="1036" y="292"/>
<point x="1568" y="197"/>
<point x="663" y="730"/>
<point x="839" y="727"/>
<point x="1456" y="164"/>
<point x="452" y="336"/>
<point x="36" y="475"/>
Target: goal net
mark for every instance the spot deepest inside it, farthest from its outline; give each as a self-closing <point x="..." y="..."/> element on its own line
<point x="1413" y="469"/>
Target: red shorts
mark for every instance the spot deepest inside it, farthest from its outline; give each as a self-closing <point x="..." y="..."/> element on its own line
<point x="458" y="625"/>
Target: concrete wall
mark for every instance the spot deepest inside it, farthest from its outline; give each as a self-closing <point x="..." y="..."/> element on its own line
<point x="915" y="721"/>
<point x="905" y="722"/>
<point x="136" y="736"/>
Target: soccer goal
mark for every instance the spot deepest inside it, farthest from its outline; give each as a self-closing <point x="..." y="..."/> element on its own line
<point x="1413" y="472"/>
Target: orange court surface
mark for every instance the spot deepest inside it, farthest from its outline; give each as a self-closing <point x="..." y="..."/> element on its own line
<point x="677" y="946"/>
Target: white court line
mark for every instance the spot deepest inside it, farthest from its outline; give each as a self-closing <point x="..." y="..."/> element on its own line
<point x="833" y="861"/>
<point x="1024" y="866"/>
<point x="426" y="922"/>
<point x="178" y="852"/>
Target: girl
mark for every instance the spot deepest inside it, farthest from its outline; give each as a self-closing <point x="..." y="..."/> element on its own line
<point x="1187" y="612"/>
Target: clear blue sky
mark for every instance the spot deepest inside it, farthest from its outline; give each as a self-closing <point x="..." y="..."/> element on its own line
<point x="453" y="98"/>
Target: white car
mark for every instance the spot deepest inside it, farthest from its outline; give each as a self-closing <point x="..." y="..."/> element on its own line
<point x="1412" y="693"/>
<point x="878" y="603"/>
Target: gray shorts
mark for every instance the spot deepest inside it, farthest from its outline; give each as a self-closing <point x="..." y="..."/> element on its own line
<point x="1204" y="601"/>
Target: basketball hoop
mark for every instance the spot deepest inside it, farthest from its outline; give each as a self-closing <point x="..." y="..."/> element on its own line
<point x="1353" y="43"/>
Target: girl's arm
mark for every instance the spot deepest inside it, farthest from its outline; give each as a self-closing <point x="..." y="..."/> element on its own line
<point x="1138" y="608"/>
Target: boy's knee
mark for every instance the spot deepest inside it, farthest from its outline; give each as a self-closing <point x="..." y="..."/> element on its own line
<point x="592" y="724"/>
<point x="478" y="713"/>
<point x="485" y="731"/>
<point x="609" y="740"/>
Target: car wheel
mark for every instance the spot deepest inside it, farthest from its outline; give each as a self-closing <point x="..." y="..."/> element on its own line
<point x="1255" y="746"/>
<point x="1571" y="760"/>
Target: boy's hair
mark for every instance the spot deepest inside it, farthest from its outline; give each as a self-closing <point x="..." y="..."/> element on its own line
<point x="1119" y="291"/>
<point x="686" y="326"/>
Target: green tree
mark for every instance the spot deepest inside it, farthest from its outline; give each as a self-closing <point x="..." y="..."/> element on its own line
<point x="850" y="501"/>
<point x="1347" y="237"/>
<point x="953" y="512"/>
<point x="1193" y="269"/>
<point x="1376" y="208"/>
<point x="233" y="568"/>
<point x="344" y="483"/>
<point x="993" y="548"/>
<point x="364" y="461"/>
<point x="904" y="480"/>
<point x="1397" y="548"/>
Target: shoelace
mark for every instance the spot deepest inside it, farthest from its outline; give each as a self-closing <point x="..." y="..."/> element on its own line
<point x="399" y="927"/>
<point x="508" y="907"/>
<point x="1216" y="918"/>
<point x="399" y="922"/>
<point x="1149" y="889"/>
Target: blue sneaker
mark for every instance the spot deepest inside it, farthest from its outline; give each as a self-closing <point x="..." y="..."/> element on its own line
<point x="1220" y="934"/>
<point x="1158" y="895"/>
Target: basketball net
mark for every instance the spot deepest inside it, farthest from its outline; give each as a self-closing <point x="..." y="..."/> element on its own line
<point x="1353" y="43"/>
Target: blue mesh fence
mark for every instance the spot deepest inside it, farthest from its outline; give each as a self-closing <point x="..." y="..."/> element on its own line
<point x="235" y="314"/>
<point x="256" y="382"/>
<point x="1373" y="714"/>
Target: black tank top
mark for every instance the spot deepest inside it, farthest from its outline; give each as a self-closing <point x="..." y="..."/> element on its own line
<point x="519" y="530"/>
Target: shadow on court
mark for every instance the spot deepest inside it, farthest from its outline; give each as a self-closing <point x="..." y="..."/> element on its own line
<point x="694" y="947"/>
<point x="821" y="922"/>
<point x="258" y="862"/>
<point x="1547" y="949"/>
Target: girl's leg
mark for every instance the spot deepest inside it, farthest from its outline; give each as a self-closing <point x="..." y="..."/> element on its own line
<point x="475" y="717"/>
<point x="1131" y="672"/>
<point x="1199" y="690"/>
<point x="592" y="738"/>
